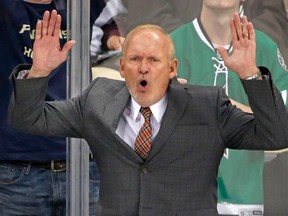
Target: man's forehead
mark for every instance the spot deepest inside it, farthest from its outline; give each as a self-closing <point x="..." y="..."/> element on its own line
<point x="147" y="40"/>
<point x="146" y="48"/>
<point x="149" y="33"/>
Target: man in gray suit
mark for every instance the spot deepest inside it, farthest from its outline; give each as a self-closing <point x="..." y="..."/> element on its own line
<point x="191" y="125"/>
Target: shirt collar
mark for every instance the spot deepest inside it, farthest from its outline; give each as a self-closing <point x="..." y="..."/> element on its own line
<point x="158" y="109"/>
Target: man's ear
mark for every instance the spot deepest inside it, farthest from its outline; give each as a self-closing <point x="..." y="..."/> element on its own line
<point x="173" y="68"/>
<point x="122" y="68"/>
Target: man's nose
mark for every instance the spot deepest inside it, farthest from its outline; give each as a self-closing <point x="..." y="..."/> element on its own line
<point x="144" y="67"/>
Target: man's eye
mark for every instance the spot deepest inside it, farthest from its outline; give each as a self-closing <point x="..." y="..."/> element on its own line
<point x="153" y="60"/>
<point x="134" y="59"/>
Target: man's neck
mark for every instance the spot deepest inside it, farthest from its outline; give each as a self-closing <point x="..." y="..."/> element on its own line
<point x="217" y="26"/>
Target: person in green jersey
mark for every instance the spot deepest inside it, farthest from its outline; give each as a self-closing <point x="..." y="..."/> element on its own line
<point x="240" y="177"/>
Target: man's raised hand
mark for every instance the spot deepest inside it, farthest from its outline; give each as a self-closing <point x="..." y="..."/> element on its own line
<point x="47" y="52"/>
<point x="243" y="58"/>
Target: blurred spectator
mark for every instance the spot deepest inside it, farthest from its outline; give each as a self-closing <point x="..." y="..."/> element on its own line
<point x="267" y="16"/>
<point x="106" y="45"/>
<point x="33" y="168"/>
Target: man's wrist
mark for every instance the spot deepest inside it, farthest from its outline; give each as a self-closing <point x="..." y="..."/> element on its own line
<point x="257" y="76"/>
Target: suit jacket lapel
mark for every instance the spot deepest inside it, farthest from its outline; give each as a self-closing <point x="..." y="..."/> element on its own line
<point x="112" y="114"/>
<point x="177" y="101"/>
<point x="115" y="108"/>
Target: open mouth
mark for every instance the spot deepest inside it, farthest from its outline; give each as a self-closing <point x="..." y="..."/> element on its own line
<point x="143" y="83"/>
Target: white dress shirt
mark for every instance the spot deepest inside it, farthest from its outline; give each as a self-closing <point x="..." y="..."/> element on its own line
<point x="132" y="120"/>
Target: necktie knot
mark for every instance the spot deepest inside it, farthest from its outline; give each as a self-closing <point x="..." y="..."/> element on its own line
<point x="146" y="112"/>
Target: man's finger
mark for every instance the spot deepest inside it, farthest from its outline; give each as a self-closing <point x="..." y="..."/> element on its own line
<point x="238" y="26"/>
<point x="68" y="46"/>
<point x="45" y="22"/>
<point x="223" y="52"/>
<point x="233" y="31"/>
<point x="57" y="28"/>
<point x="251" y="31"/>
<point x="52" y="22"/>
<point x="245" y="33"/>
<point x="38" y="33"/>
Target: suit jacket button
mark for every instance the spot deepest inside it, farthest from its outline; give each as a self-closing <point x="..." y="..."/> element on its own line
<point x="145" y="170"/>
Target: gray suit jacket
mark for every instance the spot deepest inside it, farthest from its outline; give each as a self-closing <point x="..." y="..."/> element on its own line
<point x="180" y="175"/>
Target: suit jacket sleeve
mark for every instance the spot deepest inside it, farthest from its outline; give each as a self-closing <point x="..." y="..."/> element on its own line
<point x="266" y="128"/>
<point x="30" y="113"/>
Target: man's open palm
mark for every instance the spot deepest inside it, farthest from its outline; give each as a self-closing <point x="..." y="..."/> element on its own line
<point x="47" y="53"/>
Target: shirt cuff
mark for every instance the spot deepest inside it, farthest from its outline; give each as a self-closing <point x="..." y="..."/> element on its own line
<point x="22" y="74"/>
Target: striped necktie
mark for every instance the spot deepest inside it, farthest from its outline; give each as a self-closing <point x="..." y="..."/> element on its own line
<point x="144" y="137"/>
